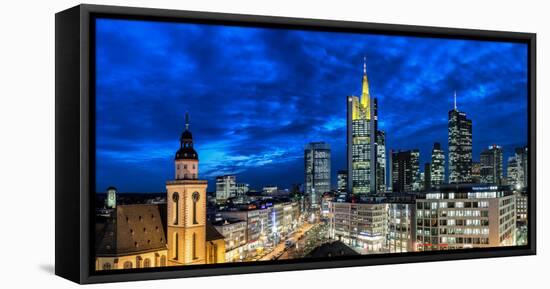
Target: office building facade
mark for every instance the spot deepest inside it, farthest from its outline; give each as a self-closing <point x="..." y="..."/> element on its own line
<point x="437" y="166"/>
<point x="465" y="216"/>
<point x="317" y="172"/>
<point x="491" y="165"/>
<point x="460" y="147"/>
<point x="406" y="171"/>
<point x="361" y="140"/>
<point x="225" y="187"/>
<point x="518" y="169"/>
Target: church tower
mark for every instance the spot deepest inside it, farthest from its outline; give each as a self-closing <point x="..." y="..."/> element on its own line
<point x="186" y="205"/>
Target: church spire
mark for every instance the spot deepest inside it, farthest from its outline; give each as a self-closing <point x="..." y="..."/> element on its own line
<point x="186" y="150"/>
<point x="186" y="121"/>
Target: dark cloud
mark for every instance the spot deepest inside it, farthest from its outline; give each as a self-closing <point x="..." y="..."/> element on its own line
<point x="257" y="96"/>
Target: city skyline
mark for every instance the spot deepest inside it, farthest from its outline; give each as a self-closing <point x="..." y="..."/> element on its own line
<point x="135" y="140"/>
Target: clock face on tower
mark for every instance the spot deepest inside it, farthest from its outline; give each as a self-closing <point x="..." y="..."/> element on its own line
<point x="196" y="196"/>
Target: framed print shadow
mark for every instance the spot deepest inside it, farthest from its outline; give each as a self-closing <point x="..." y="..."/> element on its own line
<point x="195" y="144"/>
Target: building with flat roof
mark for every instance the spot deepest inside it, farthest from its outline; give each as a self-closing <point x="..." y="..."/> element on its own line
<point x="317" y="172"/>
<point x="491" y="165"/>
<point x="437" y="166"/>
<point x="406" y="171"/>
<point x="465" y="216"/>
<point x="360" y="225"/>
<point x="234" y="233"/>
<point x="226" y="187"/>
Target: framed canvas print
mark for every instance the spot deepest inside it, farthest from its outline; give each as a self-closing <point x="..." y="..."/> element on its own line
<point x="195" y="144"/>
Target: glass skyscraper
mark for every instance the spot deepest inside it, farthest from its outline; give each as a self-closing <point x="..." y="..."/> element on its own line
<point x="518" y="168"/>
<point x="406" y="171"/>
<point x="460" y="147"/>
<point x="380" y="161"/>
<point x="437" y="166"/>
<point x="361" y="140"/>
<point x="317" y="171"/>
<point x="491" y="165"/>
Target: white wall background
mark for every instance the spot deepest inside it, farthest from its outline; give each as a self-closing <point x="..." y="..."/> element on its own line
<point x="27" y="143"/>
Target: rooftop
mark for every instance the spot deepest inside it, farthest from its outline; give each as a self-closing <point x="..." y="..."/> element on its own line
<point x="133" y="229"/>
<point x="332" y="249"/>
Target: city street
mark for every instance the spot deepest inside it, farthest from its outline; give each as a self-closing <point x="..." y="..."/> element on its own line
<point x="279" y="250"/>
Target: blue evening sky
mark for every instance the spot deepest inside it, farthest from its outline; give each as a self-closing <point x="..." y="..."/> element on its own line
<point x="256" y="96"/>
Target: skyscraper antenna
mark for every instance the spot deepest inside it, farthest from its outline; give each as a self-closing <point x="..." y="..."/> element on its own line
<point x="364" y="65"/>
<point x="455" y="100"/>
<point x="186" y="120"/>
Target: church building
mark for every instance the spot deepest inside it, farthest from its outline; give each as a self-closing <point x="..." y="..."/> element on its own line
<point x="175" y="234"/>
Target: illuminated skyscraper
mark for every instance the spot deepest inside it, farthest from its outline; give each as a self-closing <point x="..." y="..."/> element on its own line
<point x="380" y="161"/>
<point x="317" y="171"/>
<point x="437" y="166"/>
<point x="518" y="168"/>
<point x="460" y="146"/>
<point x="342" y="181"/>
<point x="406" y="171"/>
<point x="491" y="165"/>
<point x="513" y="172"/>
<point x="361" y="140"/>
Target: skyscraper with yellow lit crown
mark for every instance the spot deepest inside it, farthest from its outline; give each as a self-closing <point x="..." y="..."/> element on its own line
<point x="362" y="117"/>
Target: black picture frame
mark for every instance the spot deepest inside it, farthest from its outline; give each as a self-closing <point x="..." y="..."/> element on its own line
<point x="74" y="148"/>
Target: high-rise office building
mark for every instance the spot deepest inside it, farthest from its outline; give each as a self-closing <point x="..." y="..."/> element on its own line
<point x="518" y="168"/>
<point x="491" y="165"/>
<point x="460" y="146"/>
<point x="342" y="181"/>
<point x="513" y="172"/>
<point x="406" y="171"/>
<point x="317" y="171"/>
<point x="437" y="166"/>
<point x="476" y="172"/>
<point x="380" y="161"/>
<point x="427" y="176"/>
<point x="225" y="187"/>
<point x="361" y="140"/>
<point x="421" y="184"/>
<point x="522" y="156"/>
<point x="342" y="178"/>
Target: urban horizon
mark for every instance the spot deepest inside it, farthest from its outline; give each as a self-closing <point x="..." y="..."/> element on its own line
<point x="300" y="167"/>
<point x="132" y="144"/>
